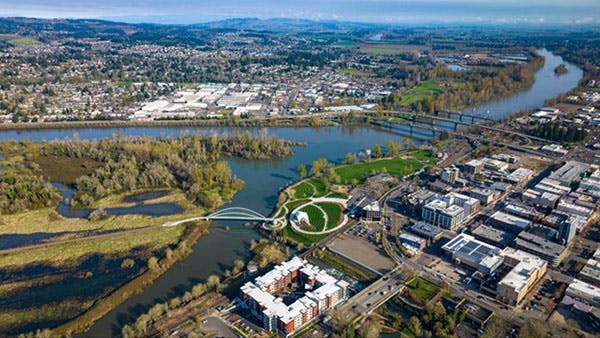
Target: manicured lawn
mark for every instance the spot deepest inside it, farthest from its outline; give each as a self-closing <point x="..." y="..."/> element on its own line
<point x="337" y="195"/>
<point x="321" y="188"/>
<point x="422" y="288"/>
<point x="304" y="190"/>
<point x="315" y="216"/>
<point x="334" y="214"/>
<point x="397" y="167"/>
<point x="291" y="205"/>
<point x="297" y="237"/>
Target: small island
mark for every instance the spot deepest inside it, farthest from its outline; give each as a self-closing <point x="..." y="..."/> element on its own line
<point x="561" y="69"/>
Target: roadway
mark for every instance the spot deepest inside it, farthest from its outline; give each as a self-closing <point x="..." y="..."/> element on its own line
<point x="376" y="294"/>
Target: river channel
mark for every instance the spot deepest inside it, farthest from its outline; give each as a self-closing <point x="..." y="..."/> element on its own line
<point x="214" y="253"/>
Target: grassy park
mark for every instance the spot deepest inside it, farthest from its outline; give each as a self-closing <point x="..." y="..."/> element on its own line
<point x="422" y="288"/>
<point x="394" y="166"/>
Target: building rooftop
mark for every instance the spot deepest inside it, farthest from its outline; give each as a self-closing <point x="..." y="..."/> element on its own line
<point x="518" y="277"/>
<point x="583" y="290"/>
<point x="591" y="270"/>
<point x="468" y="249"/>
<point x="485" y="232"/>
<point x="275" y="306"/>
<point x="539" y="245"/>
<point x="512" y="220"/>
<point x="425" y="229"/>
<point x="569" y="172"/>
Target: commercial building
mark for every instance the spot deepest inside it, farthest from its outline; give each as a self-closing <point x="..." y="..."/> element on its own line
<point x="527" y="270"/>
<point x="569" y="172"/>
<point x="450" y="174"/>
<point x="573" y="209"/>
<point x="584" y="292"/>
<point x="552" y="252"/>
<point x="428" y="231"/>
<point x="508" y="222"/>
<point x="469" y="204"/>
<point x="493" y="236"/>
<point x="495" y="165"/>
<point x="321" y="292"/>
<point x="520" y="176"/>
<point x="545" y="199"/>
<point x="552" y="186"/>
<point x="554" y="150"/>
<point x="412" y="241"/>
<point x="441" y="213"/>
<point x="523" y="211"/>
<point x="467" y="250"/>
<point x="590" y="272"/>
<point x="484" y="195"/>
<point x="473" y="167"/>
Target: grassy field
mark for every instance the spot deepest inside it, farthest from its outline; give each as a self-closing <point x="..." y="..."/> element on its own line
<point x="383" y="50"/>
<point x="301" y="238"/>
<point x="304" y="190"/>
<point x="16" y="40"/>
<point x="71" y="253"/>
<point x="397" y="167"/>
<point x="425" y="89"/>
<point x="45" y="220"/>
<point x="422" y="288"/>
<point x="345" y="266"/>
<point x="334" y="214"/>
<point x="315" y="216"/>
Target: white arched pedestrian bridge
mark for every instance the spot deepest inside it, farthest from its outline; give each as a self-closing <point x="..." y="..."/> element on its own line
<point x="230" y="214"/>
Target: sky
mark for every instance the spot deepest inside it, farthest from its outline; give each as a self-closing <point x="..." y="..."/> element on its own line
<point x="377" y="11"/>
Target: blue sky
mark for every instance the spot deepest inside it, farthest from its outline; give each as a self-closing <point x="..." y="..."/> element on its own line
<point x="382" y="11"/>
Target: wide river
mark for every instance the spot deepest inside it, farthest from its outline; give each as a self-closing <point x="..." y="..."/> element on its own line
<point x="227" y="241"/>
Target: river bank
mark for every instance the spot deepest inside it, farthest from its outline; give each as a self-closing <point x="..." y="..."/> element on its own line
<point x="227" y="241"/>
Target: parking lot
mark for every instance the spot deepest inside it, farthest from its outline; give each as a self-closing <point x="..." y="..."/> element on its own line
<point x="360" y="250"/>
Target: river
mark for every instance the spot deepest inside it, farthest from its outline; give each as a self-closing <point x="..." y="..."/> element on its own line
<point x="214" y="253"/>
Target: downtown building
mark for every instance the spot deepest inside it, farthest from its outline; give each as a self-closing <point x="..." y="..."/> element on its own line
<point x="271" y="297"/>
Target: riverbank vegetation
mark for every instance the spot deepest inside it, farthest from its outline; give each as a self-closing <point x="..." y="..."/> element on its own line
<point x="70" y="270"/>
<point x="72" y="284"/>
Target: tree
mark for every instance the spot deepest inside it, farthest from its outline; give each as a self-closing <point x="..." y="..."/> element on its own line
<point x="213" y="282"/>
<point x="153" y="263"/>
<point x="377" y="153"/>
<point x="414" y="325"/>
<point x="318" y="166"/>
<point x="302" y="170"/>
<point x="392" y="148"/>
<point x="533" y="328"/>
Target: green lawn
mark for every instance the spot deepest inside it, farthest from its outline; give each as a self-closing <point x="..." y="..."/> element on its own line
<point x="23" y="41"/>
<point x="291" y="205"/>
<point x="304" y="190"/>
<point x="423" y="90"/>
<point x="320" y="186"/>
<point x="334" y="214"/>
<point x="422" y="288"/>
<point x="315" y="216"/>
<point x="297" y="237"/>
<point x="347" y="267"/>
<point x="397" y="167"/>
<point x="381" y="51"/>
<point x="337" y="195"/>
